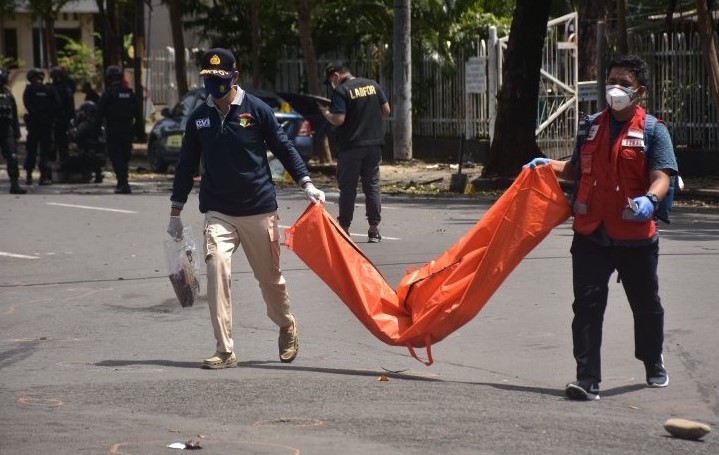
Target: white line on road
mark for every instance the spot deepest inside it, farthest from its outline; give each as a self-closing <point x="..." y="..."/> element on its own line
<point x="354" y="234"/>
<point x="88" y="207"/>
<point x="17" y="256"/>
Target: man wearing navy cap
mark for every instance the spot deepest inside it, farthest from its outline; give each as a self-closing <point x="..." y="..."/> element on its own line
<point x="231" y="133"/>
<point x="357" y="108"/>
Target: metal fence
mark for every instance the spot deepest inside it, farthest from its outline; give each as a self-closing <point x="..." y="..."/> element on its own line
<point x="679" y="91"/>
<point x="160" y="80"/>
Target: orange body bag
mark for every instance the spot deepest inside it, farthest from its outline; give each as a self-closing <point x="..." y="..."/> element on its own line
<point x="444" y="294"/>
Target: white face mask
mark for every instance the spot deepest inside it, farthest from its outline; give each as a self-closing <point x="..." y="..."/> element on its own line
<point x="618" y="97"/>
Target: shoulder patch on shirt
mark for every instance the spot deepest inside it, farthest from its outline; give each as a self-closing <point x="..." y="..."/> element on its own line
<point x="202" y="123"/>
<point x="628" y="142"/>
<point x="592" y="132"/>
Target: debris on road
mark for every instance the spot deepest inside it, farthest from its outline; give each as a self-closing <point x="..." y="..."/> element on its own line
<point x="686" y="429"/>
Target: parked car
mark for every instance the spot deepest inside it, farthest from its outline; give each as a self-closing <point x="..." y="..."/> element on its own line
<point x="308" y="106"/>
<point x="165" y="139"/>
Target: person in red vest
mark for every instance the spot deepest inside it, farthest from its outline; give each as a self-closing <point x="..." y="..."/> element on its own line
<point x="621" y="167"/>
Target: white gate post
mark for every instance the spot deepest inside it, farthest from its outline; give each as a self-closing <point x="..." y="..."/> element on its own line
<point x="492" y="76"/>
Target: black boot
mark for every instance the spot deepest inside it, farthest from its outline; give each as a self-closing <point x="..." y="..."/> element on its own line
<point x="15" y="187"/>
<point x="45" y="177"/>
<point x="28" y="179"/>
<point x="123" y="189"/>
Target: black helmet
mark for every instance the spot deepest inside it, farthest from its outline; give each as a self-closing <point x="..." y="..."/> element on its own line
<point x="4" y="76"/>
<point x="34" y="73"/>
<point x="57" y="73"/>
<point x="113" y="73"/>
<point x="88" y="107"/>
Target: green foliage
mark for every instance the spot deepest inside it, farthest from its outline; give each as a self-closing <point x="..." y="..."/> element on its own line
<point x="442" y="27"/>
<point x="10" y="62"/>
<point x="439" y="27"/>
<point x="82" y="62"/>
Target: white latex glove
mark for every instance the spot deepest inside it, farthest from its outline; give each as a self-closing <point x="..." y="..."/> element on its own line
<point x="314" y="194"/>
<point x="175" y="228"/>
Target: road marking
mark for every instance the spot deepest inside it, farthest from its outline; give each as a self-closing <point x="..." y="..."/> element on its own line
<point x="354" y="234"/>
<point x="17" y="256"/>
<point x="88" y="207"/>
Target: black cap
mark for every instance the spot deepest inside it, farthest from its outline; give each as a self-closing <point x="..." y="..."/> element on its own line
<point x="336" y="66"/>
<point x="218" y="62"/>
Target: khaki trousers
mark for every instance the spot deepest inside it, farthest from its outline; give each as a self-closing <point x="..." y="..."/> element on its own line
<point x="259" y="236"/>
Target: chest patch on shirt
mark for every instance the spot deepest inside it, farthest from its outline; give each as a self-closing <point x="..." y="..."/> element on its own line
<point x="637" y="134"/>
<point x="202" y="123"/>
<point x="592" y="132"/>
<point x="245" y="119"/>
<point x="630" y="142"/>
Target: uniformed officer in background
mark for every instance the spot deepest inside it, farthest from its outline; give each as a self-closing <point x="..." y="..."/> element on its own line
<point x="118" y="111"/>
<point x="9" y="132"/>
<point x="86" y="134"/>
<point x="357" y="109"/>
<point x="65" y="88"/>
<point x="42" y="105"/>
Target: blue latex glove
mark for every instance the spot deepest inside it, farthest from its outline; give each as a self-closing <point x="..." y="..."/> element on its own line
<point x="537" y="162"/>
<point x="642" y="207"/>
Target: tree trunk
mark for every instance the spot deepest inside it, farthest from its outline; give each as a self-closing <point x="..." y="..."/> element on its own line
<point x="49" y="38"/>
<point x="589" y="14"/>
<point x="514" y="141"/>
<point x="402" y="80"/>
<point x="138" y="67"/>
<point x="113" y="40"/>
<point x="622" y="27"/>
<point x="708" y="49"/>
<point x="178" y="42"/>
<point x="255" y="42"/>
<point x="669" y="16"/>
<point x="304" y="28"/>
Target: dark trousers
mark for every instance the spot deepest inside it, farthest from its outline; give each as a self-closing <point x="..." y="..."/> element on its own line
<point x="8" y="145"/>
<point x="39" y="135"/>
<point x="62" y="142"/>
<point x="353" y="164"/>
<point x="119" y="150"/>
<point x="592" y="266"/>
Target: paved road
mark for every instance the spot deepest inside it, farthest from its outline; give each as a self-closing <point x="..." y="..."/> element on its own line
<point x="96" y="356"/>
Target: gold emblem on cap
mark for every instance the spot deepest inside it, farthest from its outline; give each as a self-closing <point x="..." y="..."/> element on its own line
<point x="215" y="60"/>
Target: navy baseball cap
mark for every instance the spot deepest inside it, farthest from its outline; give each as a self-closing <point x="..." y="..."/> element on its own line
<point x="218" y="62"/>
<point x="336" y="66"/>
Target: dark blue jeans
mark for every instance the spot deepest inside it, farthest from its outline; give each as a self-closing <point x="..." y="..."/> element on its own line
<point x="592" y="267"/>
<point x="351" y="165"/>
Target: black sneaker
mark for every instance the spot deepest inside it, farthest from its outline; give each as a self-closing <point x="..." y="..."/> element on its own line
<point x="373" y="236"/>
<point x="584" y="390"/>
<point x="656" y="373"/>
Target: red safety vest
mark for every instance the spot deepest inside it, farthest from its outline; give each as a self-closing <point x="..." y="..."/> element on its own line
<point x="609" y="175"/>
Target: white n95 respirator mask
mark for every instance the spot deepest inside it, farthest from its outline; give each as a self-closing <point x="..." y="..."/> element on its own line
<point x="618" y="97"/>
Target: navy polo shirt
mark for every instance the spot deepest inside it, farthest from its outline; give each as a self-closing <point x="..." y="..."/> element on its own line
<point x="236" y="178"/>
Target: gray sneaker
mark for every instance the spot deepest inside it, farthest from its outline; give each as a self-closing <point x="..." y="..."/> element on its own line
<point x="656" y="373"/>
<point x="373" y="236"/>
<point x="289" y="342"/>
